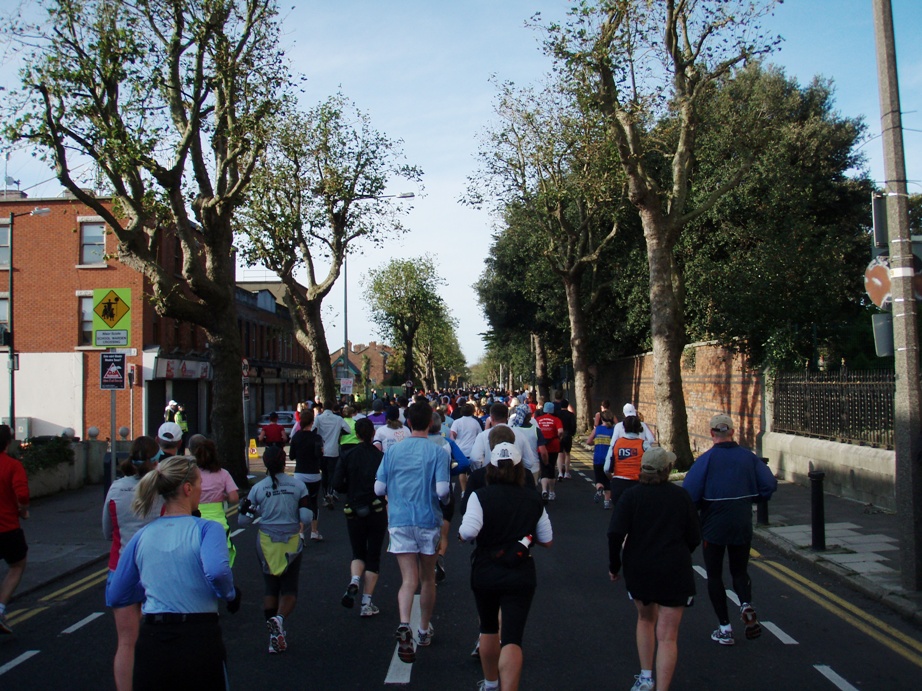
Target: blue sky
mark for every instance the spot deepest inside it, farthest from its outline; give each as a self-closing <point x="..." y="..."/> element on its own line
<point x="421" y="69"/>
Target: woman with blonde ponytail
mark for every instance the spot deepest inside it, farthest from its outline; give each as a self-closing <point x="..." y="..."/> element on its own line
<point x="177" y="568"/>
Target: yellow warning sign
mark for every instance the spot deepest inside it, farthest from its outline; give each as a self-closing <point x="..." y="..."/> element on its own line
<point x="253" y="452"/>
<point x="111" y="309"/>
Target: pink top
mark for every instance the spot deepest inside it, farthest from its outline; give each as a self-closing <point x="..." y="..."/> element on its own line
<point x="216" y="486"/>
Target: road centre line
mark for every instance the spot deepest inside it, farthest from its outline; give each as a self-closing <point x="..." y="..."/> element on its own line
<point x="19" y="660"/>
<point x="857" y="611"/>
<point x="882" y="638"/>
<point x="83" y="622"/>
<point x="70" y="586"/>
<point x="701" y="571"/>
<point x="101" y="578"/>
<point x="836" y="679"/>
<point x="778" y="633"/>
<point x="399" y="672"/>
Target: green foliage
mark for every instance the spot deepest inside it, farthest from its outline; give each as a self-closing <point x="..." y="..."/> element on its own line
<point x="42" y="455"/>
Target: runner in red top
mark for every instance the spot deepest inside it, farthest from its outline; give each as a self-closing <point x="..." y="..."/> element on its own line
<point x="14" y="505"/>
<point x="273" y="434"/>
<point x="552" y="429"/>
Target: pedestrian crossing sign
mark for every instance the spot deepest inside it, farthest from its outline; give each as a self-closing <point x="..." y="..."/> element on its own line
<point x="112" y="317"/>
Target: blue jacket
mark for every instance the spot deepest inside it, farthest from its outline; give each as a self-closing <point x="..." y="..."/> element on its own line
<point x="728" y="471"/>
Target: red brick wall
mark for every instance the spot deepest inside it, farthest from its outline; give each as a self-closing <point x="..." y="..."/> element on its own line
<point x="714" y="379"/>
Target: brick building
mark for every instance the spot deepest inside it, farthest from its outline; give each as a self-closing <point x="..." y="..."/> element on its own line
<point x="377" y="355"/>
<point x="58" y="260"/>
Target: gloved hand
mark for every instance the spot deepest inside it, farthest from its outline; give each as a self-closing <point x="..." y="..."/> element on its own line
<point x="246" y="508"/>
<point x="233" y="606"/>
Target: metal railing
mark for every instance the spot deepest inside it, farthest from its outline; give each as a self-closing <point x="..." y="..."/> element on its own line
<point x="847" y="406"/>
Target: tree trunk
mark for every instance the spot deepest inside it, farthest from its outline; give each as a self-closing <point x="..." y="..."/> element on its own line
<point x="314" y="339"/>
<point x="582" y="402"/>
<point x="667" y="326"/>
<point x="227" y="392"/>
<point x="542" y="380"/>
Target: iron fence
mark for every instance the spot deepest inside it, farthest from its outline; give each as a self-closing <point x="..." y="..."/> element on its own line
<point x="853" y="407"/>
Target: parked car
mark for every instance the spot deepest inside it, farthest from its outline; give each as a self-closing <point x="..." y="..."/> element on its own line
<point x="286" y="420"/>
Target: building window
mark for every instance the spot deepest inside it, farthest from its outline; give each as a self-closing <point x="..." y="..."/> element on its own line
<point x="4" y="311"/>
<point x="4" y="245"/>
<point x="92" y="243"/>
<point x="86" y="321"/>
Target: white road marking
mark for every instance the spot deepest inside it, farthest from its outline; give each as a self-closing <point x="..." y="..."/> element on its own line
<point x="840" y="683"/>
<point x="237" y="532"/>
<point x="779" y="634"/>
<point x="83" y="622"/>
<point x="22" y="658"/>
<point x="732" y="596"/>
<point x="701" y="571"/>
<point x="399" y="672"/>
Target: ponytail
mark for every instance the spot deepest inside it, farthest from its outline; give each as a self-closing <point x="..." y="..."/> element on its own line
<point x="165" y="480"/>
<point x="274" y="461"/>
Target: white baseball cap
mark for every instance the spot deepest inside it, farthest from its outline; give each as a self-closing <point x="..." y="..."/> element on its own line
<point x="170" y="432"/>
<point x="629" y="410"/>
<point x="505" y="450"/>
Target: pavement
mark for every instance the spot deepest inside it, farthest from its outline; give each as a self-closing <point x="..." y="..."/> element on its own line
<point x="862" y="541"/>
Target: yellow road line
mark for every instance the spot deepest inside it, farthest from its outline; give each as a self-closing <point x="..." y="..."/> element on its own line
<point x="70" y="586"/>
<point x="896" y="633"/>
<point x="86" y="586"/>
<point x="24" y="614"/>
<point x="820" y="598"/>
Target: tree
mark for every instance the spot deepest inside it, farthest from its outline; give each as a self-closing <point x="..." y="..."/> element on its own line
<point x="771" y="270"/>
<point x="402" y="296"/>
<point x="316" y="193"/>
<point x="439" y="354"/>
<point x="549" y="157"/>
<point x="642" y="62"/>
<point x="168" y="99"/>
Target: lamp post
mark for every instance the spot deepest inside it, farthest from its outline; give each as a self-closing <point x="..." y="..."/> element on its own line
<point x="12" y="362"/>
<point x="402" y="195"/>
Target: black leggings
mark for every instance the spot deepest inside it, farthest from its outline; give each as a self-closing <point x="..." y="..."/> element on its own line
<point x="187" y="655"/>
<point x="286" y="583"/>
<point x="514" y="603"/>
<point x="714" y="564"/>
<point x="366" y="535"/>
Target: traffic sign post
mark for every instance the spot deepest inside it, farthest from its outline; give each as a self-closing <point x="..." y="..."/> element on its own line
<point x="112" y="378"/>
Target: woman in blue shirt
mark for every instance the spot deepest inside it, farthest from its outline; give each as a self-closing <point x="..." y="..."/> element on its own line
<point x="177" y="568"/>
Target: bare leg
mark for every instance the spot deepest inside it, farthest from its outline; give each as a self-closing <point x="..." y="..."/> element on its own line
<point x="357" y="568"/>
<point x="426" y="589"/>
<point x="409" y="574"/>
<point x="287" y="605"/>
<point x="11" y="580"/>
<point x="667" y="651"/>
<point x="510" y="667"/>
<point x="489" y="655"/>
<point x="646" y="633"/>
<point x="371" y="580"/>
<point x="127" y="624"/>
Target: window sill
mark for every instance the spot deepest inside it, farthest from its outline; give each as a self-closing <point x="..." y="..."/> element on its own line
<point x="90" y="348"/>
<point x="103" y="265"/>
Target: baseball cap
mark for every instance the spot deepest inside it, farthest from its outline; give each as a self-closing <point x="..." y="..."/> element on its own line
<point x="656" y="459"/>
<point x="721" y="423"/>
<point x="505" y="450"/>
<point x="548" y="407"/>
<point x="629" y="410"/>
<point x="169" y="431"/>
<point x="172" y="403"/>
<point x="377" y="405"/>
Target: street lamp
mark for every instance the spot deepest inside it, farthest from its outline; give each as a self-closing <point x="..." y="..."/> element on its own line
<point x="402" y="195"/>
<point x="13" y="361"/>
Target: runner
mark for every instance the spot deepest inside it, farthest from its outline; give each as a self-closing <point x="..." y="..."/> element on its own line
<point x="14" y="505"/>
<point x="366" y="517"/>
<point x="307" y="451"/>
<point x="568" y="420"/>
<point x="552" y="429"/>
<point x="600" y="440"/>
<point x="281" y="502"/>
<point x="625" y="460"/>
<point x="392" y="432"/>
<point x="330" y="427"/>
<point x="218" y="489"/>
<point x="414" y="476"/>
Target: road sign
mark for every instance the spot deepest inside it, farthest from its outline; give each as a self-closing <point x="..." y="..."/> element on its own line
<point x="254" y="452"/>
<point x="112" y="317"/>
<point x="111" y="371"/>
<point x="345" y="386"/>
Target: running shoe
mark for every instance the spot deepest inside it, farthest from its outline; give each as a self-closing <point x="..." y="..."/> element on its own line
<point x="370" y="610"/>
<point x="328" y="502"/>
<point x="406" y="648"/>
<point x="607" y="504"/>
<point x="424" y="638"/>
<point x="753" y="628"/>
<point x="439" y="570"/>
<point x="552" y="496"/>
<point x="482" y="686"/>
<point x="723" y="637"/>
<point x="559" y="477"/>
<point x="544" y="497"/>
<point x="277" y="635"/>
<point x="598" y="496"/>
<point x="316" y="537"/>
<point x="348" y="600"/>
<point x="642" y="684"/>
<point x="4" y="627"/>
<point x="566" y="476"/>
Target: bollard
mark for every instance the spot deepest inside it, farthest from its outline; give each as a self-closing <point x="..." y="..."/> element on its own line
<point x="816" y="510"/>
<point x="762" y="505"/>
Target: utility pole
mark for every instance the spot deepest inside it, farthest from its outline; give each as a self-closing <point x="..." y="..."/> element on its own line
<point x="908" y="419"/>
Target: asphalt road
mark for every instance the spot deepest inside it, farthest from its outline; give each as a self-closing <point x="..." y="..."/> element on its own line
<point x="580" y="634"/>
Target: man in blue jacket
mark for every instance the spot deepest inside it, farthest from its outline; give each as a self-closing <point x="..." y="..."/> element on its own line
<point x="723" y="482"/>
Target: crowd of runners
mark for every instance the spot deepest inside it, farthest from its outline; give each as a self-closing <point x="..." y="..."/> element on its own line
<point x="397" y="473"/>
